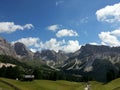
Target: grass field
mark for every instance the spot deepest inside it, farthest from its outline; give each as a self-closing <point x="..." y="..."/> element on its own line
<point x="9" y="84"/>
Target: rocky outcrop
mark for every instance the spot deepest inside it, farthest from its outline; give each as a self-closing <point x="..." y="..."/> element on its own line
<point x="22" y="51"/>
<point x="94" y="61"/>
<point x="97" y="62"/>
<point x="51" y="56"/>
<point x="6" y="48"/>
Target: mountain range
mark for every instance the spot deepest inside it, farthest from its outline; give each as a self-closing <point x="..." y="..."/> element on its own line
<point x="97" y="62"/>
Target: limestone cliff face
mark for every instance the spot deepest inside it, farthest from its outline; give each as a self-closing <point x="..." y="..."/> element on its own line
<point x="95" y="61"/>
<point x="91" y="60"/>
<point x="6" y="48"/>
<point x="18" y="50"/>
<point x="22" y="51"/>
<point x="56" y="58"/>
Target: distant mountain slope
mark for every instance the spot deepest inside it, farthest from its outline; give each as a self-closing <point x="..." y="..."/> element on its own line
<point x="22" y="51"/>
<point x="95" y="61"/>
<point x="6" y="48"/>
<point x="101" y="63"/>
<point x="51" y="57"/>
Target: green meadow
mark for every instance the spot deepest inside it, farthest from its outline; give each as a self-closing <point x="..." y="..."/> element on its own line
<point x="9" y="84"/>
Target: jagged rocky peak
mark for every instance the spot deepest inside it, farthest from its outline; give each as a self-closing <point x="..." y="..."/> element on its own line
<point x="99" y="49"/>
<point x="51" y="55"/>
<point x="95" y="48"/>
<point x="61" y="52"/>
<point x="48" y="54"/>
<point x="94" y="60"/>
<point x="2" y="41"/>
<point x="55" y="56"/>
<point x="37" y="55"/>
<point x="61" y="55"/>
<point x="22" y="50"/>
<point x="96" y="51"/>
<point x="6" y="48"/>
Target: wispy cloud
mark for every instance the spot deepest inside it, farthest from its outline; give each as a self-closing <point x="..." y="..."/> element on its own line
<point x="84" y="20"/>
<point x="9" y="27"/>
<point x="59" y="2"/>
<point x="53" y="27"/>
<point x="66" y="32"/>
<point x="85" y="33"/>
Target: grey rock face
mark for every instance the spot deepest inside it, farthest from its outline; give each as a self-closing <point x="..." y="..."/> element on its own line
<point x="6" y="48"/>
<point x="51" y="56"/>
<point x="23" y="51"/>
<point x="96" y="61"/>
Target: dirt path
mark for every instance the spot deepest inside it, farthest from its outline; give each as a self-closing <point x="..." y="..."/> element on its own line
<point x="9" y="84"/>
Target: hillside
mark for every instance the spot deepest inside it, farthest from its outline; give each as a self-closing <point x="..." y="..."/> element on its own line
<point x="94" y="61"/>
<point x="56" y="85"/>
<point x="6" y="48"/>
<point x="89" y="61"/>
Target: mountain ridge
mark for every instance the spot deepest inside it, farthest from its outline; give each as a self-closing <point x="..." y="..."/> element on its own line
<point x="95" y="60"/>
<point x="89" y="60"/>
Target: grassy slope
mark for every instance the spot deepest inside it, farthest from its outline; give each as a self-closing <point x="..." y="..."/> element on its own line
<point x="5" y="87"/>
<point x="59" y="85"/>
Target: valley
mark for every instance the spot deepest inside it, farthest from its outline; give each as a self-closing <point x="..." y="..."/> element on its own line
<point x="90" y="62"/>
<point x="57" y="85"/>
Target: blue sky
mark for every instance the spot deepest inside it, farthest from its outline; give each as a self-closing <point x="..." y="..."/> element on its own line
<point x="60" y="24"/>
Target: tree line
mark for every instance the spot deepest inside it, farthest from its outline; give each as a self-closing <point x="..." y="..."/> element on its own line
<point x="42" y="72"/>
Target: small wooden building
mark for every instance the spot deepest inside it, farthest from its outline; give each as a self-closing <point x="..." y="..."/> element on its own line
<point x="28" y="77"/>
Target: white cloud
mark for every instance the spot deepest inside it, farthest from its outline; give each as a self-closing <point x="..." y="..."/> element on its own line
<point x="53" y="27"/>
<point x="30" y="41"/>
<point x="71" y="46"/>
<point x="116" y="32"/>
<point x="53" y="44"/>
<point x="33" y="50"/>
<point x="28" y="26"/>
<point x="8" y="27"/>
<point x="110" y="13"/>
<point x="36" y="45"/>
<point x="108" y="38"/>
<point x="66" y="32"/>
<point x="94" y="43"/>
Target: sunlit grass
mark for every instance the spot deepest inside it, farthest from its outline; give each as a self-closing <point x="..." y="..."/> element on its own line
<point x="58" y="85"/>
<point x="5" y="87"/>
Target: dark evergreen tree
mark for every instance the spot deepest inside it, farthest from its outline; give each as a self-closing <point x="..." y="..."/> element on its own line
<point x="3" y="71"/>
<point x="110" y="75"/>
<point x="37" y="73"/>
